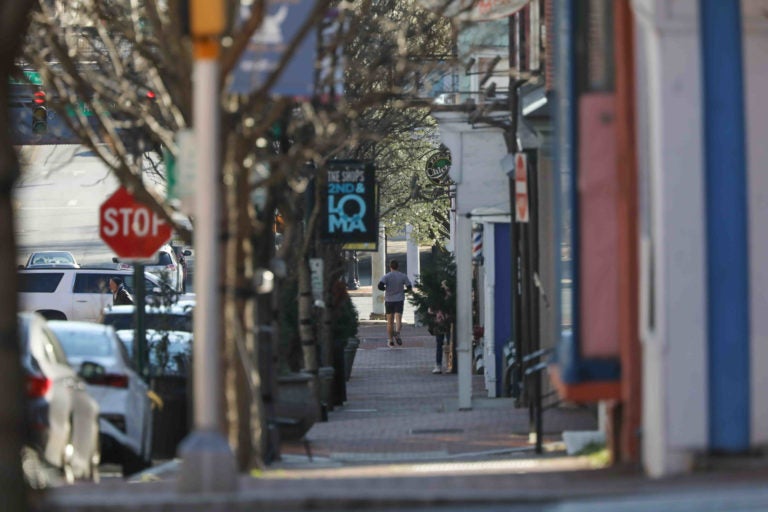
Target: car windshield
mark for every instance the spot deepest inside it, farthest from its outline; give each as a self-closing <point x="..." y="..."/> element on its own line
<point x="52" y="258"/>
<point x="156" y="321"/>
<point x="79" y="343"/>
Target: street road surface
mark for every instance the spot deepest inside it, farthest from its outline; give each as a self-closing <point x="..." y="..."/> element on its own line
<point x="57" y="201"/>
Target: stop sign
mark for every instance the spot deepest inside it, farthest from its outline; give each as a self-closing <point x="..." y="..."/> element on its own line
<point x="130" y="228"/>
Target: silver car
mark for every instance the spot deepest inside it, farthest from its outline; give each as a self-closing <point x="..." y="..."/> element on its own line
<point x="167" y="268"/>
<point x="126" y="412"/>
<point x="62" y="418"/>
<point x="51" y="259"/>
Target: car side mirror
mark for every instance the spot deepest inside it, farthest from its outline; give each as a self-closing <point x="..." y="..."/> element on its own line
<point x="91" y="371"/>
<point x="187" y="253"/>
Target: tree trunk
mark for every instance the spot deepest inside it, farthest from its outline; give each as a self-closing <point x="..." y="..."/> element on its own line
<point x="12" y="486"/>
<point x="13" y="494"/>
<point x="306" y="322"/>
<point x="245" y="418"/>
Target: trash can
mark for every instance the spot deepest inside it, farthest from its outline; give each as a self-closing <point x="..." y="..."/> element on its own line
<point x="171" y="423"/>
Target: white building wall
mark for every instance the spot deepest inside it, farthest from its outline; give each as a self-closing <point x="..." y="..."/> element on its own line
<point x="673" y="279"/>
<point x="755" y="30"/>
<point x="480" y="182"/>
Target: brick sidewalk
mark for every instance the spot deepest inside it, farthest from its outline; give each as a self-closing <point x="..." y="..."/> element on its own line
<point x="397" y="410"/>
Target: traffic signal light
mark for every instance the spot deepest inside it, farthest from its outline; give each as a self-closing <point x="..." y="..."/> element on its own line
<point x="39" y="113"/>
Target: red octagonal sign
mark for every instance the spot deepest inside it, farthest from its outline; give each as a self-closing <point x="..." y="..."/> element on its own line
<point x="130" y="228"/>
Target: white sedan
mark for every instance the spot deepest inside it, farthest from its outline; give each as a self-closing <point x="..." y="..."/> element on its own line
<point x="126" y="414"/>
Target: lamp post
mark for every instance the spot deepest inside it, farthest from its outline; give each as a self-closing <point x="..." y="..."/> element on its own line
<point x="208" y="464"/>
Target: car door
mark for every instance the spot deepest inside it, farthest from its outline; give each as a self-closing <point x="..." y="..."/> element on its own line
<point x="90" y="295"/>
<point x="43" y="346"/>
<point x="138" y="400"/>
<point x="85" y="411"/>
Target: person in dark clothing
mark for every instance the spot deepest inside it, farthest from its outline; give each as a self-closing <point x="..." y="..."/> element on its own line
<point x="440" y="327"/>
<point x="120" y="296"/>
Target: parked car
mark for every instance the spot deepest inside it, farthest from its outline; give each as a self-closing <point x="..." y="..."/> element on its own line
<point x="181" y="257"/>
<point x="165" y="266"/>
<point x="169" y="332"/>
<point x="126" y="411"/>
<point x="51" y="259"/>
<point x="74" y="293"/>
<point x="62" y="418"/>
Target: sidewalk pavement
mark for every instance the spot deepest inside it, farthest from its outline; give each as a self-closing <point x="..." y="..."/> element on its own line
<point x="399" y="442"/>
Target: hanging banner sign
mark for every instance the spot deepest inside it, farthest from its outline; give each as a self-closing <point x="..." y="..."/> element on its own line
<point x="265" y="50"/>
<point x="350" y="204"/>
<point x="522" y="212"/>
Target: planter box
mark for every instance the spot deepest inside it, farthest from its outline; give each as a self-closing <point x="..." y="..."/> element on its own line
<point x="349" y="356"/>
<point x="297" y="407"/>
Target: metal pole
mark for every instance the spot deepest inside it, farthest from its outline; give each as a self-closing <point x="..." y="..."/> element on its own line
<point x="352" y="283"/>
<point x="207" y="320"/>
<point x="208" y="463"/>
<point x="378" y="269"/>
<point x="140" y="333"/>
<point x="356" y="269"/>
<point x="463" y="333"/>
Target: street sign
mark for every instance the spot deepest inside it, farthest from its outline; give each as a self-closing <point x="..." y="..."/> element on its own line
<point x="439" y="166"/>
<point x="521" y="188"/>
<point x="130" y="228"/>
<point x="350" y="209"/>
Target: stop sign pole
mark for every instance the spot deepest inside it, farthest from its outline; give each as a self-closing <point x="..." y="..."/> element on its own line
<point x="207" y="461"/>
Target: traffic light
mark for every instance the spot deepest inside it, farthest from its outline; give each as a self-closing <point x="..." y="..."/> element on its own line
<point x="39" y="114"/>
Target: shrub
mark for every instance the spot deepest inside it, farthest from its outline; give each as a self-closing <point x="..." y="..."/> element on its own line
<point x="429" y="293"/>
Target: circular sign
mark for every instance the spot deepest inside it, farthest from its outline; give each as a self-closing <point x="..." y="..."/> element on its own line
<point x="130" y="228"/>
<point x="438" y="166"/>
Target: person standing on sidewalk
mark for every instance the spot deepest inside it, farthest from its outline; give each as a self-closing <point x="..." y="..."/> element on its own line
<point x="394" y="284"/>
<point x="440" y="334"/>
<point x="439" y="325"/>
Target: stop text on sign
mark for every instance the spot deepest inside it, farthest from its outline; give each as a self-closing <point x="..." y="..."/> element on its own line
<point x="126" y="221"/>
